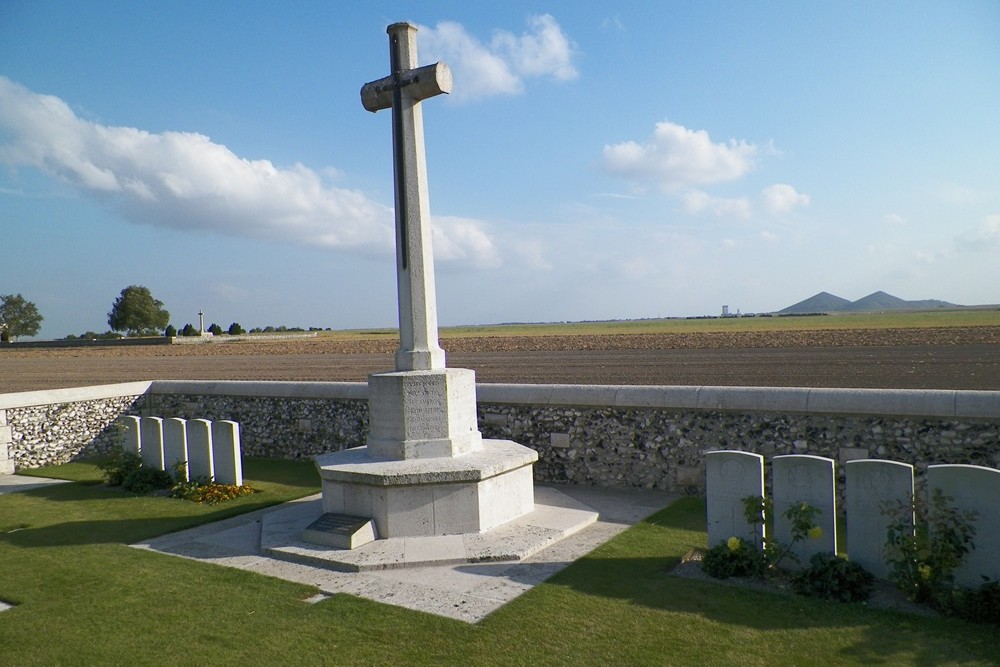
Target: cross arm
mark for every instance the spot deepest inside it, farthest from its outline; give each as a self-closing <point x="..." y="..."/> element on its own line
<point x="418" y="84"/>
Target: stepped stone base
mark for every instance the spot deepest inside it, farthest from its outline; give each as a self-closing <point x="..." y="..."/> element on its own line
<point x="472" y="493"/>
<point x="555" y="517"/>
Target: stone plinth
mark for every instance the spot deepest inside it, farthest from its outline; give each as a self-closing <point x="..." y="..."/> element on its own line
<point x="472" y="493"/>
<point x="423" y="414"/>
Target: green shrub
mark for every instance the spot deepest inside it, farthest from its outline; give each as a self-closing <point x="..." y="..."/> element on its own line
<point x="118" y="466"/>
<point x="925" y="543"/>
<point x="235" y="329"/>
<point x="146" y="479"/>
<point x="125" y="469"/>
<point x="170" y="331"/>
<point x="802" y="517"/>
<point x="735" y="557"/>
<point x="979" y="605"/>
<point x="833" y="578"/>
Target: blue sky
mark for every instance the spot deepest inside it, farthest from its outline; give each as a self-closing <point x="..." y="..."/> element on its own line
<point x="594" y="161"/>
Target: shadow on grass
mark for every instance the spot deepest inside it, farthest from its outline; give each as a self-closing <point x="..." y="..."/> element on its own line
<point x="86" y="512"/>
<point x="635" y="567"/>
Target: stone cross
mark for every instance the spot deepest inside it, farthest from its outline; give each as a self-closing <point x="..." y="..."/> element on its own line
<point x="402" y="91"/>
<point x="201" y="321"/>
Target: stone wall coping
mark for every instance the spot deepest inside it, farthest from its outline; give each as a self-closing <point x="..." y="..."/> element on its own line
<point x="271" y="389"/>
<point x="896" y="402"/>
<point x="27" y="399"/>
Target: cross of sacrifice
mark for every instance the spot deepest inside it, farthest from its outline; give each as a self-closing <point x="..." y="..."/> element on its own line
<point x="402" y="91"/>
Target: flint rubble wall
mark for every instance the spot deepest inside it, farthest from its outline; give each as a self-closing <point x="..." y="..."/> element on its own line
<point x="614" y="436"/>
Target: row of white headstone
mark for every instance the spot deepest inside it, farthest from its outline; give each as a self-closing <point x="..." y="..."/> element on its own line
<point x="871" y="485"/>
<point x="202" y="449"/>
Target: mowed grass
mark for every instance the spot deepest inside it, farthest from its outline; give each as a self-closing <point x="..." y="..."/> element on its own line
<point x="843" y="321"/>
<point x="82" y="597"/>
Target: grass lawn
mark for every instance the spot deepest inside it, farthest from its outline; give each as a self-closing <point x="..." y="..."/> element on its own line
<point x="82" y="597"/>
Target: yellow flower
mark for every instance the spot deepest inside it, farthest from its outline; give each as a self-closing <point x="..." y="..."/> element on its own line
<point x="815" y="533"/>
<point x="924" y="571"/>
<point x="734" y="543"/>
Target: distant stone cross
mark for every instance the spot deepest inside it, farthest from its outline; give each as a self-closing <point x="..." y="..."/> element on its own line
<point x="402" y="91"/>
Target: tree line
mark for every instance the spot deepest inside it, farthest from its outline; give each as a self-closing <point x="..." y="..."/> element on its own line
<point x="134" y="313"/>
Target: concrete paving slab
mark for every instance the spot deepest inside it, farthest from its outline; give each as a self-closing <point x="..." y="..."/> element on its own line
<point x="463" y="591"/>
<point x="12" y="483"/>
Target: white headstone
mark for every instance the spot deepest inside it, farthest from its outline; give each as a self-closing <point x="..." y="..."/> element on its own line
<point x="973" y="488"/>
<point x="131" y="439"/>
<point x="151" y="438"/>
<point x="873" y="485"/>
<point x="199" y="443"/>
<point x="227" y="460"/>
<point x="175" y="445"/>
<point x="797" y="479"/>
<point x="731" y="476"/>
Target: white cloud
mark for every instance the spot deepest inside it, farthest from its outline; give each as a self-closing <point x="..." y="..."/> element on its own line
<point x="696" y="201"/>
<point x="782" y="198"/>
<point x="499" y="68"/>
<point x="545" y="50"/>
<point x="464" y="240"/>
<point x="953" y="193"/>
<point x="184" y="180"/>
<point x="613" y="24"/>
<point x="984" y="236"/>
<point x="894" y="219"/>
<point x="675" y="156"/>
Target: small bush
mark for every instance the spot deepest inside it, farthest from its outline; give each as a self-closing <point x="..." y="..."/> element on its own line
<point x="734" y="558"/>
<point x="979" y="605"/>
<point x="925" y="543"/>
<point x="170" y="331"/>
<point x="145" y="480"/>
<point x="125" y="469"/>
<point x="833" y="578"/>
<point x="119" y="466"/>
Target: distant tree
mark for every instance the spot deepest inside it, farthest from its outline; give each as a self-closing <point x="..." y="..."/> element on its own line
<point x="18" y="316"/>
<point x="93" y="335"/>
<point x="170" y="331"/>
<point x="215" y="329"/>
<point x="190" y="330"/>
<point x="137" y="313"/>
<point x="235" y="329"/>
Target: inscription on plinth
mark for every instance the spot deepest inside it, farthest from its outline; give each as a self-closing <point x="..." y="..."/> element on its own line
<point x="342" y="531"/>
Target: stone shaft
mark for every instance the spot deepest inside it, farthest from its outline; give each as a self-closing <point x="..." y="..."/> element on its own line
<point x="418" y="328"/>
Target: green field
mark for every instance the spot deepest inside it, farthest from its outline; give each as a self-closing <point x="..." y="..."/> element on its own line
<point x="840" y="321"/>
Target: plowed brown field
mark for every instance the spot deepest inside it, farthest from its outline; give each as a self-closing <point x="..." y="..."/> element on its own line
<point x="929" y="358"/>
